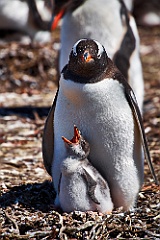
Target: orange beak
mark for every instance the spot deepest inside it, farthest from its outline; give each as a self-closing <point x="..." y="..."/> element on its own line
<point x="75" y="138"/>
<point x="87" y="57"/>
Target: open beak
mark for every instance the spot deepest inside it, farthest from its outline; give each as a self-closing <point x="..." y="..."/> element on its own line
<point x="75" y="138"/>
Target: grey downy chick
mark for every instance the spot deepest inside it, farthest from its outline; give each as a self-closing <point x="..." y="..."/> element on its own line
<point x="81" y="187"/>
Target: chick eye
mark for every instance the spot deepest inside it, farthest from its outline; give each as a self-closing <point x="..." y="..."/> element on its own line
<point x="83" y="143"/>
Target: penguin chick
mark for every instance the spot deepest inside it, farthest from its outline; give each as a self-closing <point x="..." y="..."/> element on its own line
<point x="81" y="187"/>
<point x="95" y="95"/>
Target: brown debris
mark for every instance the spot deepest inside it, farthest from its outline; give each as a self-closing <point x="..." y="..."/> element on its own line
<point x="26" y="200"/>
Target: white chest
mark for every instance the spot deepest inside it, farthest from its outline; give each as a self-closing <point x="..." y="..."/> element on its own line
<point x="102" y="114"/>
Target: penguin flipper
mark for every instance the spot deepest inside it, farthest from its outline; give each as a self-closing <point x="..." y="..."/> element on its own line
<point x="137" y="115"/>
<point x="59" y="184"/>
<point x="91" y="185"/>
<point x="48" y="138"/>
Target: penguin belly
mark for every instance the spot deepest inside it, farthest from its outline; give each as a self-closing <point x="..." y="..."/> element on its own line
<point x="104" y="117"/>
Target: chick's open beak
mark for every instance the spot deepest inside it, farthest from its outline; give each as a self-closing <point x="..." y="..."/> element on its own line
<point x="75" y="138"/>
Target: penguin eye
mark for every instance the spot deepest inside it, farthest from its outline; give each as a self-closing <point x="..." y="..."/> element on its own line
<point x="74" y="49"/>
<point x="83" y="143"/>
<point x="74" y="52"/>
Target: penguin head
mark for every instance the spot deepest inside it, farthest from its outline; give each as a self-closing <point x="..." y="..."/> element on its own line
<point x="88" y="60"/>
<point x="77" y="147"/>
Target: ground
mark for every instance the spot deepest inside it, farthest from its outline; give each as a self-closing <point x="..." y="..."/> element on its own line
<point x="28" y="80"/>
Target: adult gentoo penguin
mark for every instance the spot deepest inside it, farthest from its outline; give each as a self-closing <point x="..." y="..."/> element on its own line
<point x="81" y="187"/>
<point x="112" y="25"/>
<point x="95" y="96"/>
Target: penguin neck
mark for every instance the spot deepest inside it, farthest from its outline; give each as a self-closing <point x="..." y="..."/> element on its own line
<point x="80" y="92"/>
<point x="77" y="158"/>
<point x="105" y="71"/>
<point x="71" y="164"/>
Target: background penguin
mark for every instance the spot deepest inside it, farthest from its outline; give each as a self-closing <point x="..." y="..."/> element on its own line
<point x="112" y="25"/>
<point x="81" y="187"/>
<point x="94" y="95"/>
<point x="27" y="17"/>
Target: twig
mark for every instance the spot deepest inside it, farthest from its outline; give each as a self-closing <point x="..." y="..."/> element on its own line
<point x="152" y="234"/>
<point x="13" y="221"/>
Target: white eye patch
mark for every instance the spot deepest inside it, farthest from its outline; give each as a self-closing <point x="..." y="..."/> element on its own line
<point x="100" y="49"/>
<point x="74" y="49"/>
